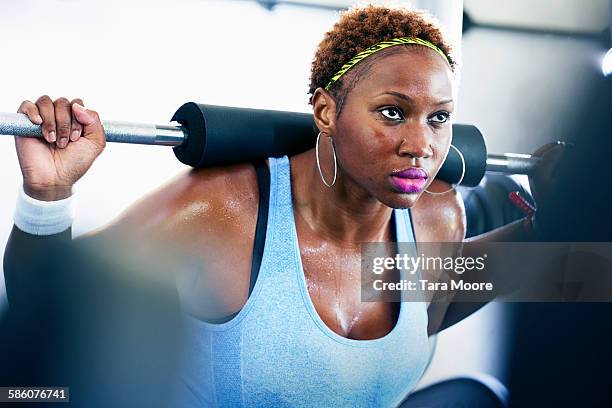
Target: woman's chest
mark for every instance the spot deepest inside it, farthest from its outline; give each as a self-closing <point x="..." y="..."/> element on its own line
<point x="333" y="281"/>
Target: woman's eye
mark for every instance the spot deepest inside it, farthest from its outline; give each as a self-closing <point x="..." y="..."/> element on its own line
<point x="440" y="117"/>
<point x="392" y="113"/>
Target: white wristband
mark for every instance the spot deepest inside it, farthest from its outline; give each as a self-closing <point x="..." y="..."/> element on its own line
<point x="42" y="217"/>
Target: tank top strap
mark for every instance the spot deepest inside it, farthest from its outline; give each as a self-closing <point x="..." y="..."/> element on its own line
<point x="280" y="186"/>
<point x="403" y="225"/>
<point x="280" y="242"/>
<point x="407" y="245"/>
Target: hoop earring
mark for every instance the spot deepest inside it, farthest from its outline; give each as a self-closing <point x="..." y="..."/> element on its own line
<point x="319" y="163"/>
<point x="460" y="178"/>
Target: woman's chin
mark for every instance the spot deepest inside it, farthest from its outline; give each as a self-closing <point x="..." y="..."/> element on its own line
<point x="401" y="200"/>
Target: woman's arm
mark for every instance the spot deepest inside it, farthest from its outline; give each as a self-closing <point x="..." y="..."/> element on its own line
<point x="24" y="264"/>
<point x="443" y="221"/>
<point x="517" y="231"/>
<point x="504" y="270"/>
<point x="439" y="218"/>
<point x="41" y="228"/>
<point x="185" y="224"/>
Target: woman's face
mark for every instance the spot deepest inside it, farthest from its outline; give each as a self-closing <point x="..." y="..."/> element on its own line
<point x="394" y="130"/>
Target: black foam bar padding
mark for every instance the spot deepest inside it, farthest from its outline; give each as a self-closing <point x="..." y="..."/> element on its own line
<point x="221" y="135"/>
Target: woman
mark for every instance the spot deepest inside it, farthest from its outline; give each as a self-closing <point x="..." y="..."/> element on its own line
<point x="300" y="335"/>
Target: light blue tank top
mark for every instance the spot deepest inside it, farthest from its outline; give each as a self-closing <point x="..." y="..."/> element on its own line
<point x="277" y="352"/>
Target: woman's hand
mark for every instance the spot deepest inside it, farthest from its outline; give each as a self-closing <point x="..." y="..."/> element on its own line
<point x="72" y="139"/>
<point x="542" y="181"/>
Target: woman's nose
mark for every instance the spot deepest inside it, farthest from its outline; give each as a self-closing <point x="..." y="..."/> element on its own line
<point x="415" y="143"/>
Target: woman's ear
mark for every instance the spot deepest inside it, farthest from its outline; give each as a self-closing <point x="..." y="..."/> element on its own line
<point x="324" y="111"/>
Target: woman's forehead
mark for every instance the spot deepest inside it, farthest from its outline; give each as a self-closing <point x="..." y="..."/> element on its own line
<point x="414" y="71"/>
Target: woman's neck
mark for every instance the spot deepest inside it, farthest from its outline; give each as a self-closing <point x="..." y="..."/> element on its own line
<point x="344" y="214"/>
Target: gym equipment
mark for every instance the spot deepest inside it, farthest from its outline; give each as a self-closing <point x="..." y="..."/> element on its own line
<point x="209" y="135"/>
<point x="487" y="205"/>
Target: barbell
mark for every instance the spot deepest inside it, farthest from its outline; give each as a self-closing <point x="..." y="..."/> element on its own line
<point x="209" y="135"/>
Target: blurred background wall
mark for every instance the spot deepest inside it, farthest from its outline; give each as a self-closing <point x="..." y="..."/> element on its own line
<point x="522" y="64"/>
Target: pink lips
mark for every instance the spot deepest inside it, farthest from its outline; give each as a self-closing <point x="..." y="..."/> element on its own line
<point x="411" y="180"/>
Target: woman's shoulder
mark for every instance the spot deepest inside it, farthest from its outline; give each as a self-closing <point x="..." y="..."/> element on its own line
<point x="439" y="218"/>
<point x="206" y="199"/>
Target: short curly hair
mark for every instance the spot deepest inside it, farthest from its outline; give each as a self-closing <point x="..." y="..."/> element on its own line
<point x="360" y="28"/>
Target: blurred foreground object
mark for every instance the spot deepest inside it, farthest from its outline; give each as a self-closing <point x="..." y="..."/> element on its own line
<point x="88" y="316"/>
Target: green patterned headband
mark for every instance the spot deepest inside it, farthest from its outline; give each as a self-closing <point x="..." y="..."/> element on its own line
<point x="381" y="46"/>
